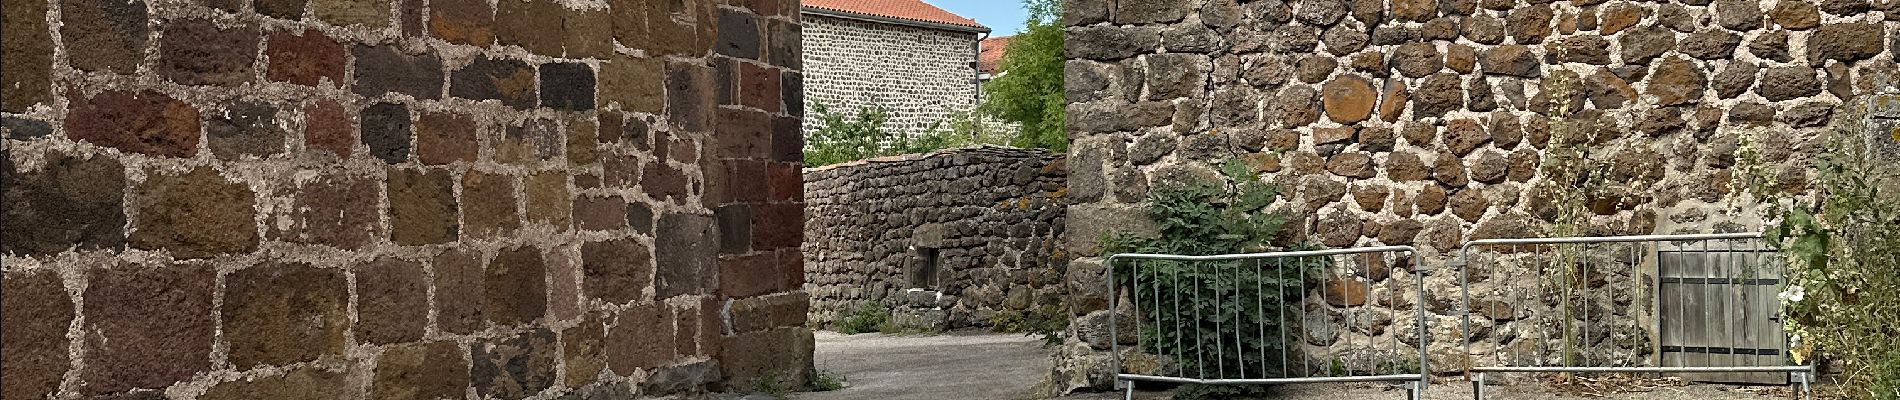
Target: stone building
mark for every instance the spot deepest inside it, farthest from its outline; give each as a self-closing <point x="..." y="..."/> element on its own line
<point x="1427" y="123"/>
<point x="381" y="199"/>
<point x="945" y="240"/>
<point x="916" y="60"/>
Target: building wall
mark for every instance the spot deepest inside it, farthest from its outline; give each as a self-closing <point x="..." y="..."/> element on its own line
<point x="921" y="75"/>
<point x="350" y="199"/>
<point x="1427" y="123"/>
<point x="990" y="216"/>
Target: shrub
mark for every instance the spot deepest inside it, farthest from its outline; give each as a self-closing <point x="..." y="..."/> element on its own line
<point x="869" y="317"/>
<point x="1842" y="245"/>
<point x="1048" y="321"/>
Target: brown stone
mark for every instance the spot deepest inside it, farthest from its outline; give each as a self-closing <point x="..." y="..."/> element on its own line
<point x="750" y="356"/>
<point x="422" y="208"/>
<point x="1796" y="15"/>
<point x="1298" y="106"/>
<point x="1352" y="165"/>
<point x="1646" y="43"/>
<point x="1370" y="197"/>
<point x="459" y="291"/>
<point x="1405" y="167"/>
<point x="516" y="367"/>
<point x="391" y="302"/>
<point x="147" y="123"/>
<point x="1421" y="134"/>
<point x="304" y="58"/>
<point x="1739" y="15"/>
<point x="1401" y="232"/>
<point x="489" y="201"/>
<point x="69" y="203"/>
<point x="1619" y="16"/>
<point x="369" y="13"/>
<point x="1395" y="97"/>
<point x="34" y="317"/>
<point x="1530" y="24"/>
<point x="1438" y="95"/>
<point x="1461" y="58"/>
<point x="1676" y="81"/>
<point x="1325" y="136"/>
<point x="1431" y="200"/>
<point x="1348" y="99"/>
<point x="198" y="52"/>
<point x="1846" y="42"/>
<point x="598" y="213"/>
<point x="388" y="68"/>
<point x="462" y="21"/>
<point x="1496" y="310"/>
<point x="195" y="215"/>
<point x="100" y="35"/>
<point x="1414" y="10"/>
<point x="334" y="210"/>
<point x="509" y="81"/>
<point x="301" y="383"/>
<point x="28" y="61"/>
<point x="1511" y="60"/>
<point x="1606" y="91"/>
<point x="616" y="271"/>
<point x="1789" y="83"/>
<point x="534" y="25"/>
<point x="327" y="127"/>
<point x="423" y="371"/>
<point x="1462" y="136"/>
<point x="515" y="286"/>
<point x="548" y="199"/>
<point x="581" y="351"/>
<point x="443" y="138"/>
<point x="642" y="338"/>
<point x="147" y="326"/>
<point x="282" y="313"/>
<point x="1417" y="60"/>
<point x="1469" y="204"/>
<point x="1345" y="291"/>
<point x="245" y="129"/>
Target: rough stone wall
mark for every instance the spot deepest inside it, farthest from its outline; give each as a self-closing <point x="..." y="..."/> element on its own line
<point x="1419" y="122"/>
<point x="921" y="75"/>
<point x="344" y="199"/>
<point x="993" y="216"/>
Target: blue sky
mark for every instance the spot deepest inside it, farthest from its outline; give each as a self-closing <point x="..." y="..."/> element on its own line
<point x="1004" y="17"/>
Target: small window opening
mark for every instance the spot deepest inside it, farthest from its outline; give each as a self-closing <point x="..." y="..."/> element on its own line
<point x="922" y="273"/>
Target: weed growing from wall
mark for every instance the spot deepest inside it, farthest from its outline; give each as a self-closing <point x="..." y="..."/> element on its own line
<point x="1842" y="245"/>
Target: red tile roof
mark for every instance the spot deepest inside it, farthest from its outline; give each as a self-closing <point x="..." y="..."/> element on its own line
<point x="914" y="10"/>
<point x="989" y="55"/>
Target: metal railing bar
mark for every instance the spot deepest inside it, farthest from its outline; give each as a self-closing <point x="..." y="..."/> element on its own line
<point x="1239" y="256"/>
<point x="1785" y="368"/>
<point x="1617" y="239"/>
<point x="1274" y="381"/>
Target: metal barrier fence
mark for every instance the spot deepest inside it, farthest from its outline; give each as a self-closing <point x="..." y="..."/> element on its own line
<point x="1701" y="305"/>
<point x="1225" y="319"/>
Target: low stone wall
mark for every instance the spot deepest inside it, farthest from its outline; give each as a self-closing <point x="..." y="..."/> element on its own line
<point x="985" y="219"/>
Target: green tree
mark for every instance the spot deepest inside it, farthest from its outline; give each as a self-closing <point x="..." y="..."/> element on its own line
<point x="1029" y="92"/>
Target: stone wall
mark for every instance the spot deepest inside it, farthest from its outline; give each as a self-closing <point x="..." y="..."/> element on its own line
<point x="343" y="199"/>
<point x="1419" y="122"/>
<point x="921" y="75"/>
<point x="989" y="219"/>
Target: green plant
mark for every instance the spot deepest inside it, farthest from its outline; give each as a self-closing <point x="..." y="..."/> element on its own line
<point x="840" y="138"/>
<point x="1841" y="242"/>
<point x="960" y="129"/>
<point x="828" y="381"/>
<point x="777" y="384"/>
<point x="1029" y="92"/>
<point x="1208" y="218"/>
<point x="1049" y="321"/>
<point x="869" y="317"/>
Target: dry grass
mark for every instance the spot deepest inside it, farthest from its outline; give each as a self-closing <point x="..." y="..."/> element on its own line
<point x="1609" y="385"/>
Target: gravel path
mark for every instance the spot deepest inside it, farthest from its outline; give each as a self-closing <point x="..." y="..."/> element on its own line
<point x="987" y="366"/>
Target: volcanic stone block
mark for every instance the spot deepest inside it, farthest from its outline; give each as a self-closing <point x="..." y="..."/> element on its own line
<point x="685" y="247"/>
<point x="34" y="316"/>
<point x="689" y="96"/>
<point x="284" y="9"/>
<point x="616" y="271"/>
<point x="548" y="199"/>
<point x="282" y="313"/>
<point x="245" y="128"/>
<point x="515" y="286"/>
<point x="509" y="81"/>
<point x="391" y="302"/>
<point x="634" y="82"/>
<point x="305" y="59"/>
<point x="443" y="138"/>
<point x="101" y="35"/>
<point x="327" y="127"/>
<point x="145" y="122"/>
<point x="386" y="69"/>
<point x="750" y="356"/>
<point x="642" y="337"/>
<point x="198" y="52"/>
<point x="422" y="207"/>
<point x="533" y="25"/>
<point x="198" y="214"/>
<point x="29" y="56"/>
<point x="369" y="13"/>
<point x="738" y="34"/>
<point x="490" y="202"/>
<point x="459" y="291"/>
<point x="598" y="213"/>
<point x="462" y="21"/>
<point x="568" y="86"/>
<point x="334" y="210"/>
<point x="146" y="326"/>
<point x="69" y="203"/>
<point x="385" y="129"/>
<point x="424" y="371"/>
<point x="1846" y="42"/>
<point x="517" y="367"/>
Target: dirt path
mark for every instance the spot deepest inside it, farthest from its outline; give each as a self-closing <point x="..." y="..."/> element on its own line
<point x="951" y="366"/>
<point x="985" y="366"/>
